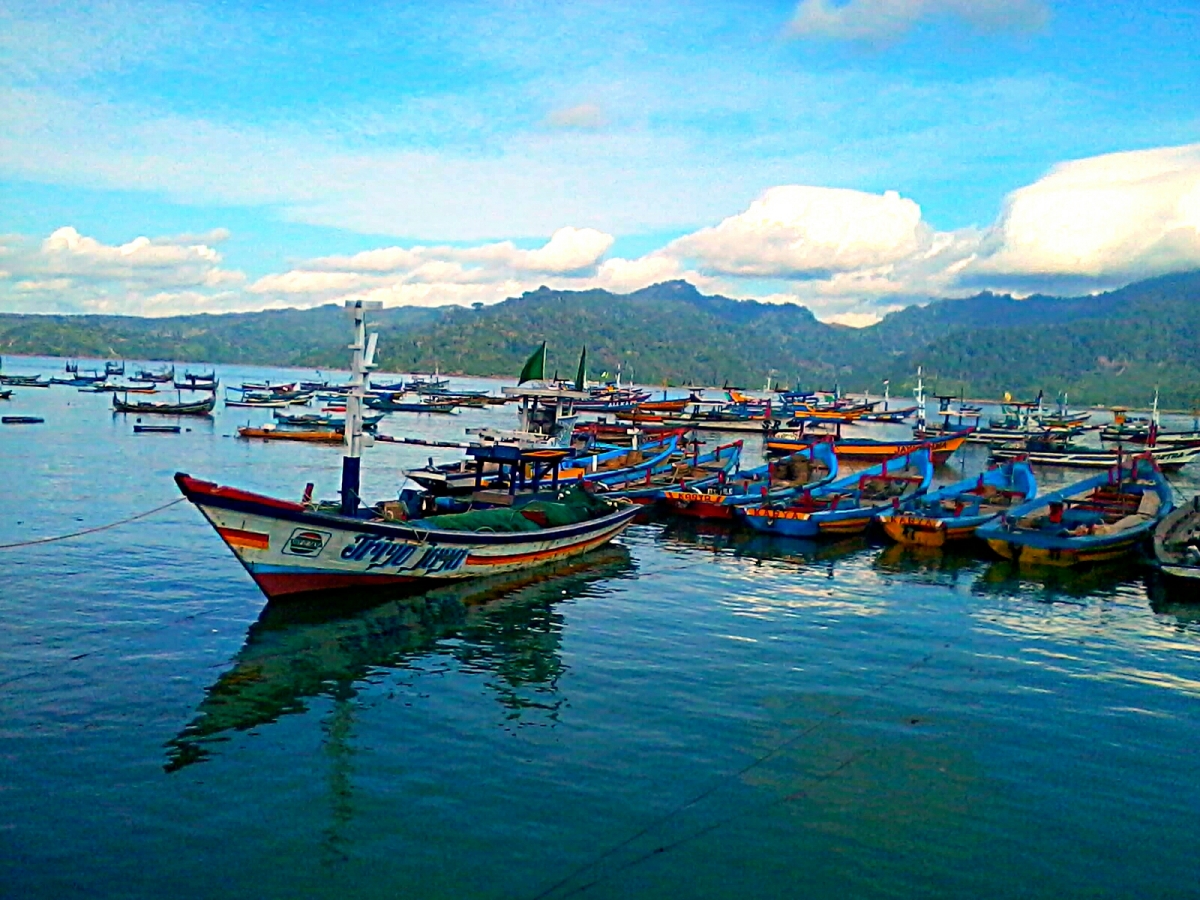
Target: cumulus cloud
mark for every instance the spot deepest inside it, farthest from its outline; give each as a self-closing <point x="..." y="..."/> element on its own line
<point x="72" y="272"/>
<point x="806" y="232"/>
<point x="583" y="117"/>
<point x="440" y="275"/>
<point x="1105" y="220"/>
<point x="880" y="21"/>
<point x="850" y="256"/>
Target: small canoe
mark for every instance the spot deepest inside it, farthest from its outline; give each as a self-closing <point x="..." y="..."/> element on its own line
<point x="775" y="482"/>
<point x="955" y="512"/>
<point x="1095" y="520"/>
<point x="1177" y="548"/>
<point x="22" y="420"/>
<point x="846" y="506"/>
<point x="156" y="429"/>
<point x="282" y="434"/>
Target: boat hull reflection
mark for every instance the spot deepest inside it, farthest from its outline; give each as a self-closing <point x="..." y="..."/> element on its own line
<point x="507" y="624"/>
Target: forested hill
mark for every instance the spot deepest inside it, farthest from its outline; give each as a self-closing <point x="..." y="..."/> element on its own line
<point x="1110" y="348"/>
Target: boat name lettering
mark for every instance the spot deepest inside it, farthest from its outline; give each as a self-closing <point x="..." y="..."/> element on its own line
<point x="386" y="553"/>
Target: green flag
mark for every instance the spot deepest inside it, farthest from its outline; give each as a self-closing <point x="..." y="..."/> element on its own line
<point x="581" y="375"/>
<point x="535" y="367"/>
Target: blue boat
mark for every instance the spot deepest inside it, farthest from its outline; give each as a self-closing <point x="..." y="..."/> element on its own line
<point x="697" y="471"/>
<point x="621" y="466"/>
<point x="954" y="512"/>
<point x="1095" y="520"/>
<point x="846" y="506"/>
<point x="775" y="482"/>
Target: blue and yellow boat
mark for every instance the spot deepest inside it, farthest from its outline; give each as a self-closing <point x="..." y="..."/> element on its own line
<point x="954" y="512"/>
<point x="1095" y="520"/>
<point x="846" y="506"/>
<point x="777" y="481"/>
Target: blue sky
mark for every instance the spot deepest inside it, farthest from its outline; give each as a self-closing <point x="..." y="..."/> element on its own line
<point x="292" y="136"/>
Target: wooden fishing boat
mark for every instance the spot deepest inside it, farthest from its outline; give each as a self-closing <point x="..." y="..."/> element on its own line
<point x="955" y="512"/>
<point x="6" y="395"/>
<point x="664" y="406"/>
<point x="34" y="381"/>
<point x="161" y="407"/>
<point x="265" y="404"/>
<point x="292" y="548"/>
<point x="941" y="448"/>
<point x="112" y="367"/>
<point x="775" y="482"/>
<point x="311" y="436"/>
<point x="888" y="415"/>
<point x="78" y="379"/>
<point x="163" y="377"/>
<point x="156" y="429"/>
<point x="619" y="433"/>
<point x="387" y="405"/>
<point x="191" y="382"/>
<point x="1177" y="548"/>
<point x="21" y="420"/>
<point x="684" y="471"/>
<point x="325" y="420"/>
<point x="848" y="505"/>
<point x="1100" y="518"/>
<point x="1168" y="456"/>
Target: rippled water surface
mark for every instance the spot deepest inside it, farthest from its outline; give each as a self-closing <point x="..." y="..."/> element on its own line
<point x="687" y="713"/>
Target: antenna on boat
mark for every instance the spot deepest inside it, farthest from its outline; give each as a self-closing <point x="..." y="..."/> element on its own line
<point x="361" y="363"/>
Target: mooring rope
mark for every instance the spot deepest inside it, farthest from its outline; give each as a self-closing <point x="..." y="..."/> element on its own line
<point x="75" y="534"/>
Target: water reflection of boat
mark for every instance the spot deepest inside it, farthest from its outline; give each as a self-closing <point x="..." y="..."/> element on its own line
<point x="931" y="565"/>
<point x="772" y="548"/>
<point x="1006" y="577"/>
<point x="718" y="535"/>
<point x="506" y="625"/>
<point x="1165" y="600"/>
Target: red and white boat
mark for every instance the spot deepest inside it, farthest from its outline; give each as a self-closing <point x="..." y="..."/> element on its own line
<point x="292" y="548"/>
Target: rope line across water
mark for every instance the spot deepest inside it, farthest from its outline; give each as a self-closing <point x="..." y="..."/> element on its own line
<point x="75" y="534"/>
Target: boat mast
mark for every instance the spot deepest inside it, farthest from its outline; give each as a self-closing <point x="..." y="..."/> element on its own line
<point x="361" y="363"/>
<point x="920" y="395"/>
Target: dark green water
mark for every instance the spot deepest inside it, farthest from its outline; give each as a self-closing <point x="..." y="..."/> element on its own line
<point x="689" y="713"/>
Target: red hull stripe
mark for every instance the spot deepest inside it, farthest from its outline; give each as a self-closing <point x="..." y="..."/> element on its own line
<point x="251" y="539"/>
<point x="276" y="584"/>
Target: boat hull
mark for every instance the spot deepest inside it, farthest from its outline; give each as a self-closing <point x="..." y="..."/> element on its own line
<point x="290" y="550"/>
<point x="1028" y="555"/>
<point x="930" y="531"/>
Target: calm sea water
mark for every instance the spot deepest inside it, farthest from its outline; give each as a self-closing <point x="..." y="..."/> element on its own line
<point x="687" y="713"/>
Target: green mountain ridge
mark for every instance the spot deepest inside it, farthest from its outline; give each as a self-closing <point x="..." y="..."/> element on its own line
<point x="1109" y="348"/>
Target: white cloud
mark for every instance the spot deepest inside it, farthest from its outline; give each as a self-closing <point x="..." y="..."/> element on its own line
<point x="73" y="272"/>
<point x="583" y="117"/>
<point x="850" y="256"/>
<point x="798" y="232"/>
<point x="880" y="21"/>
<point x="1107" y="220"/>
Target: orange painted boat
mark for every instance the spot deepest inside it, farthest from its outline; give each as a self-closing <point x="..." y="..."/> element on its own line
<point x="663" y="406"/>
<point x="279" y="434"/>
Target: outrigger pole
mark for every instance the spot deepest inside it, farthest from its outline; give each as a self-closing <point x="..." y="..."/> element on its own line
<point x="361" y="364"/>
